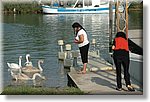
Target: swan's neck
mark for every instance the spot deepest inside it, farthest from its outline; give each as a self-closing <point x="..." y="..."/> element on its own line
<point x="27" y="59"/>
<point x="36" y="74"/>
<point x="20" y="62"/>
<point x="39" y="66"/>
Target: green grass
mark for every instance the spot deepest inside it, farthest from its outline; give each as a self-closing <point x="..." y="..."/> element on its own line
<point x="21" y="8"/>
<point x="28" y="90"/>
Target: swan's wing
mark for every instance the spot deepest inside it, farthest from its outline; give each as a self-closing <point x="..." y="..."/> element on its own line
<point x="13" y="65"/>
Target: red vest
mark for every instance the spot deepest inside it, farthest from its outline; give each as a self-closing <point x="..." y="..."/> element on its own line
<point x="121" y="43"/>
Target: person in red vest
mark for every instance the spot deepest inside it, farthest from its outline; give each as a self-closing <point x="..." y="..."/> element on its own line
<point x="121" y="57"/>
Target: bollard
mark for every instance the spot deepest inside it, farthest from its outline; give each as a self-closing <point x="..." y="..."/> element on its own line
<point x="94" y="43"/>
<point x="61" y="55"/>
<point x="61" y="43"/>
<point x="75" y="54"/>
<point x="68" y="49"/>
<point x="67" y="61"/>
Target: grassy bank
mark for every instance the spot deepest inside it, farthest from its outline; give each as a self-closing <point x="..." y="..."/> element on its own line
<point x="28" y="90"/>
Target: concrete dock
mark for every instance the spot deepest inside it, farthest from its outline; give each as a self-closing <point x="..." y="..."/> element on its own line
<point x="101" y="81"/>
<point x="101" y="76"/>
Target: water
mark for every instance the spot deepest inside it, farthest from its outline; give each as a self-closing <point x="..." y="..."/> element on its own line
<point x="38" y="35"/>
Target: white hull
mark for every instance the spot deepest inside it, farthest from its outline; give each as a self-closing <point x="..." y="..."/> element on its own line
<point x="49" y="10"/>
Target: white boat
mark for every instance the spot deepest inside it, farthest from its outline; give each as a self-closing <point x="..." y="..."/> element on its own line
<point x="96" y="7"/>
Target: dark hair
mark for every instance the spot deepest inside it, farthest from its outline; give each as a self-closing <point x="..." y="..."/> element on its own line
<point x="76" y="24"/>
<point x="121" y="34"/>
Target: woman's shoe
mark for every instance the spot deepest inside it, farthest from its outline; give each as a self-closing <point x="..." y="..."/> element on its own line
<point x="119" y="89"/>
<point x="130" y="88"/>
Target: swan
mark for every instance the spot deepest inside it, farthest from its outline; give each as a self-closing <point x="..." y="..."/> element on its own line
<point x="33" y="69"/>
<point x="28" y="62"/>
<point x="15" y="65"/>
<point x="21" y="76"/>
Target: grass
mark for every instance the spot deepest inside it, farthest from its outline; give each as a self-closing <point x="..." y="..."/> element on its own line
<point x="22" y="8"/>
<point x="29" y="90"/>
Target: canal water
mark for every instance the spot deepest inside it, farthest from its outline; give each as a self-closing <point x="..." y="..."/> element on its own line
<point x="38" y="35"/>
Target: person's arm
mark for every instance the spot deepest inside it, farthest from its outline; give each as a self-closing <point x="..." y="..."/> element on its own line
<point x="113" y="46"/>
<point x="81" y="39"/>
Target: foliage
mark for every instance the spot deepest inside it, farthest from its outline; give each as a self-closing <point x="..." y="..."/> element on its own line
<point x="21" y="8"/>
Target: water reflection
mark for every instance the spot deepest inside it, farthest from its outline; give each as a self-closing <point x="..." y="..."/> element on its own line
<point x="38" y="35"/>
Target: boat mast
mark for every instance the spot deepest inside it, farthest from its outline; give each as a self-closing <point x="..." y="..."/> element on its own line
<point x="75" y="4"/>
<point x="83" y="3"/>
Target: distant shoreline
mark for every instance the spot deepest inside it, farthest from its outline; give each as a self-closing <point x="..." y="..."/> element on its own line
<point x="34" y="8"/>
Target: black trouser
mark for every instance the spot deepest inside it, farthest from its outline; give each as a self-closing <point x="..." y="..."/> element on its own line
<point x="84" y="53"/>
<point x="122" y="59"/>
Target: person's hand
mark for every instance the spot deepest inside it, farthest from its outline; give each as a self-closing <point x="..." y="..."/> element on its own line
<point x="113" y="47"/>
<point x="75" y="41"/>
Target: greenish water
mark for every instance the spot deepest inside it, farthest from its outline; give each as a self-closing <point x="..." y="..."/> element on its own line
<point x="38" y="36"/>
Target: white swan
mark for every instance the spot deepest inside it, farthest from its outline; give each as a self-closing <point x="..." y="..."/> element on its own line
<point x="28" y="62"/>
<point x="33" y="69"/>
<point x="21" y="76"/>
<point x="15" y="65"/>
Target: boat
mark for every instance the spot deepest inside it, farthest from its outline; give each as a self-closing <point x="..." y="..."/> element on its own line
<point x="79" y="7"/>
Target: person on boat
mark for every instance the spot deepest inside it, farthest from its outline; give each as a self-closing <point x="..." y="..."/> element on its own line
<point x="121" y="57"/>
<point x="61" y="4"/>
<point x="81" y="39"/>
<point x="55" y="4"/>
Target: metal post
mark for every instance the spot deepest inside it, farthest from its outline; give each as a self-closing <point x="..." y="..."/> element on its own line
<point x="110" y="25"/>
<point x="115" y="20"/>
<point x="127" y="18"/>
<point x="117" y="16"/>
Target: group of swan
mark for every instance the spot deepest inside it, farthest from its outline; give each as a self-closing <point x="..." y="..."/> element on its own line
<point x="28" y="68"/>
<point x="21" y="76"/>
